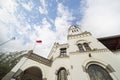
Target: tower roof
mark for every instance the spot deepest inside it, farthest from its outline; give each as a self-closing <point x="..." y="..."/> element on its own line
<point x="74" y="30"/>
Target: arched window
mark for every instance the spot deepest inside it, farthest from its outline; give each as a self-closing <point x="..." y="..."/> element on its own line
<point x="80" y="46"/>
<point x="62" y="74"/>
<point x="87" y="47"/>
<point x="97" y="72"/>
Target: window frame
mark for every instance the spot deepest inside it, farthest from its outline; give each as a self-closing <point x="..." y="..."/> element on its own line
<point x="63" y="52"/>
<point x="86" y="46"/>
<point x="80" y="47"/>
<point x="60" y="72"/>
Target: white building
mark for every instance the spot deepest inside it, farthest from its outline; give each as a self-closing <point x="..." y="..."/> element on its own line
<point x="82" y="58"/>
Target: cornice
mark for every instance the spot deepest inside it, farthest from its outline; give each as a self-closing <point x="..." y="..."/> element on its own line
<point x="39" y="59"/>
<point x="66" y="56"/>
<point x="61" y="57"/>
<point x="96" y="51"/>
<point x="84" y="34"/>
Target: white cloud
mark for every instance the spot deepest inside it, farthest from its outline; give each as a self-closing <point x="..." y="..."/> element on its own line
<point x="42" y="10"/>
<point x="102" y="17"/>
<point x="3" y="32"/>
<point x="9" y="5"/>
<point x="28" y="6"/>
<point x="7" y="11"/>
<point x="16" y="45"/>
<point x="10" y="25"/>
<point x="43" y="6"/>
<point x="7" y="18"/>
<point x="43" y="32"/>
<point x="62" y="21"/>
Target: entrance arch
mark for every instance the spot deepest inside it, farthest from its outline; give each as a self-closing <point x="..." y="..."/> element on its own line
<point x="32" y="73"/>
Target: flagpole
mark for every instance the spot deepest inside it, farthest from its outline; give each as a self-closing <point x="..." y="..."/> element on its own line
<point x="34" y="46"/>
<point x="37" y="41"/>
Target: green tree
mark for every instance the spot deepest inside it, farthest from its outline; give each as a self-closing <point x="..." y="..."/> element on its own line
<point x="8" y="61"/>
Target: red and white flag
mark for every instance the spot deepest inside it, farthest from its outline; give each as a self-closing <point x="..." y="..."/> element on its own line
<point x="38" y="41"/>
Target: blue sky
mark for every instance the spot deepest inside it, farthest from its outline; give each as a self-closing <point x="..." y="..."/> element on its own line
<point x="48" y="20"/>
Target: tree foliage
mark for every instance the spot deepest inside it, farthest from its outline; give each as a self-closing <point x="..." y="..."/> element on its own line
<point x="8" y="61"/>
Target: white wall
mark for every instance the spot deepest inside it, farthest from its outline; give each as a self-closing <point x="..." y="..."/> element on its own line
<point x="26" y="63"/>
<point x="76" y="61"/>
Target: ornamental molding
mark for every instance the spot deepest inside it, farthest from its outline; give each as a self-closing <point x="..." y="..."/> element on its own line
<point x="91" y="51"/>
<point x="39" y="59"/>
<point x="84" y="34"/>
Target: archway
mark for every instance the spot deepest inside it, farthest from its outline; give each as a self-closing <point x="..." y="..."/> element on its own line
<point x="97" y="72"/>
<point x="32" y="73"/>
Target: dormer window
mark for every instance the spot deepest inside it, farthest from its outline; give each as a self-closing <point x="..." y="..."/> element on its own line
<point x="87" y="47"/>
<point x="80" y="46"/>
<point x="63" y="52"/>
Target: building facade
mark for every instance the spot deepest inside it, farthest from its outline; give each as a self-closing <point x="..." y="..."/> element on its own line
<point x="83" y="57"/>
